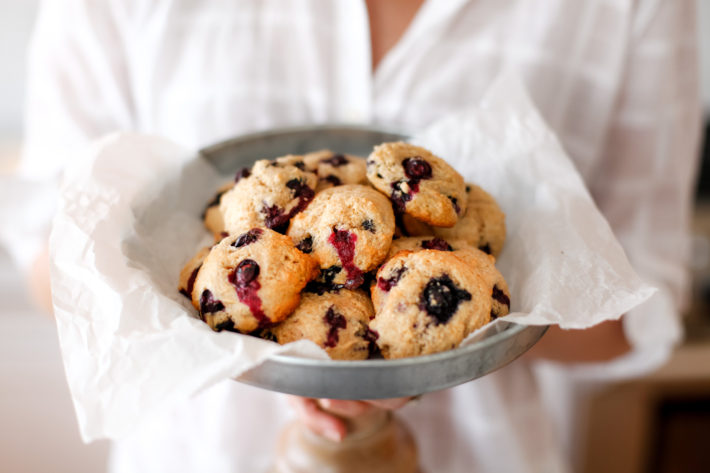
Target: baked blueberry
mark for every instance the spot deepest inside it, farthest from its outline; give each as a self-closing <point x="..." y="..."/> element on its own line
<point x="387" y="283"/>
<point x="440" y="298"/>
<point x="188" y="275"/>
<point x="248" y="238"/>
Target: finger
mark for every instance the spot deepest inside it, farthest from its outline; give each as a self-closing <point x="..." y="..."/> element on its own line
<point x="318" y="421"/>
<point x="348" y="409"/>
<point x="390" y="404"/>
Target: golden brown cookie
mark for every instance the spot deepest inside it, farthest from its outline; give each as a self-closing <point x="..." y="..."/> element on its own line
<point x="418" y="183"/>
<point x="267" y="196"/>
<point x="483" y="224"/>
<point x="336" y="321"/>
<point x="348" y="230"/>
<point x="252" y="280"/>
<point x="425" y="302"/>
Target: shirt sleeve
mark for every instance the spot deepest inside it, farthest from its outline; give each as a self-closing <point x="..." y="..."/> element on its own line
<point x="78" y="89"/>
<point x="645" y="181"/>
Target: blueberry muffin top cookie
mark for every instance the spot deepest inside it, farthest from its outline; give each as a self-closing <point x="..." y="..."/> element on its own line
<point x="335" y="169"/>
<point x="348" y="230"/>
<point x="418" y="183"/>
<point x="251" y="280"/>
<point x="268" y="195"/>
<point x="337" y="321"/>
<point x="425" y="302"/>
<point x="483" y="224"/>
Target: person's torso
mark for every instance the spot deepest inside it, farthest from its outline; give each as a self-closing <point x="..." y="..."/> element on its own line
<point x="200" y="72"/>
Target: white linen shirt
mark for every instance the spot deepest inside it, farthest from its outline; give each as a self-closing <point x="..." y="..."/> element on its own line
<point x="616" y="80"/>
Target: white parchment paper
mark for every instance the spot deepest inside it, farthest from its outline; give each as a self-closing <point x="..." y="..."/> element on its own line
<point x="129" y="218"/>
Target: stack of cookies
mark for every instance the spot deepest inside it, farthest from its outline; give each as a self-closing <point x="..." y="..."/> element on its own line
<point x="392" y="256"/>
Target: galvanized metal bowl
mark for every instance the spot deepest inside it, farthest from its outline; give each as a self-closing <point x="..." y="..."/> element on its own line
<point x="369" y="379"/>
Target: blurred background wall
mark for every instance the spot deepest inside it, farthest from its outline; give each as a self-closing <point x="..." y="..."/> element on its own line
<point x="16" y="19"/>
<point x="38" y="431"/>
<point x="37" y="428"/>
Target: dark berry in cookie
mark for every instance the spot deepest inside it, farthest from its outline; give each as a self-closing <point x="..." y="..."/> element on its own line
<point x="225" y="325"/>
<point x="336" y="322"/>
<point x="302" y="192"/>
<point x="241" y="174"/>
<point x="274" y="218"/>
<point x="455" y="203"/>
<point x="388" y="283"/>
<point x="320" y="287"/>
<point x="336" y="160"/>
<point x="344" y="243"/>
<point x="244" y="278"/>
<point x="328" y="274"/>
<point x="441" y="298"/>
<point x="306" y="245"/>
<point x="501" y="297"/>
<point x="370" y="336"/>
<point x="402" y="192"/>
<point x="436" y="244"/>
<point x="187" y="292"/>
<point x="209" y="304"/>
<point x="333" y="179"/>
<point x="416" y="168"/>
<point x="248" y="238"/>
<point x="368" y="225"/>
